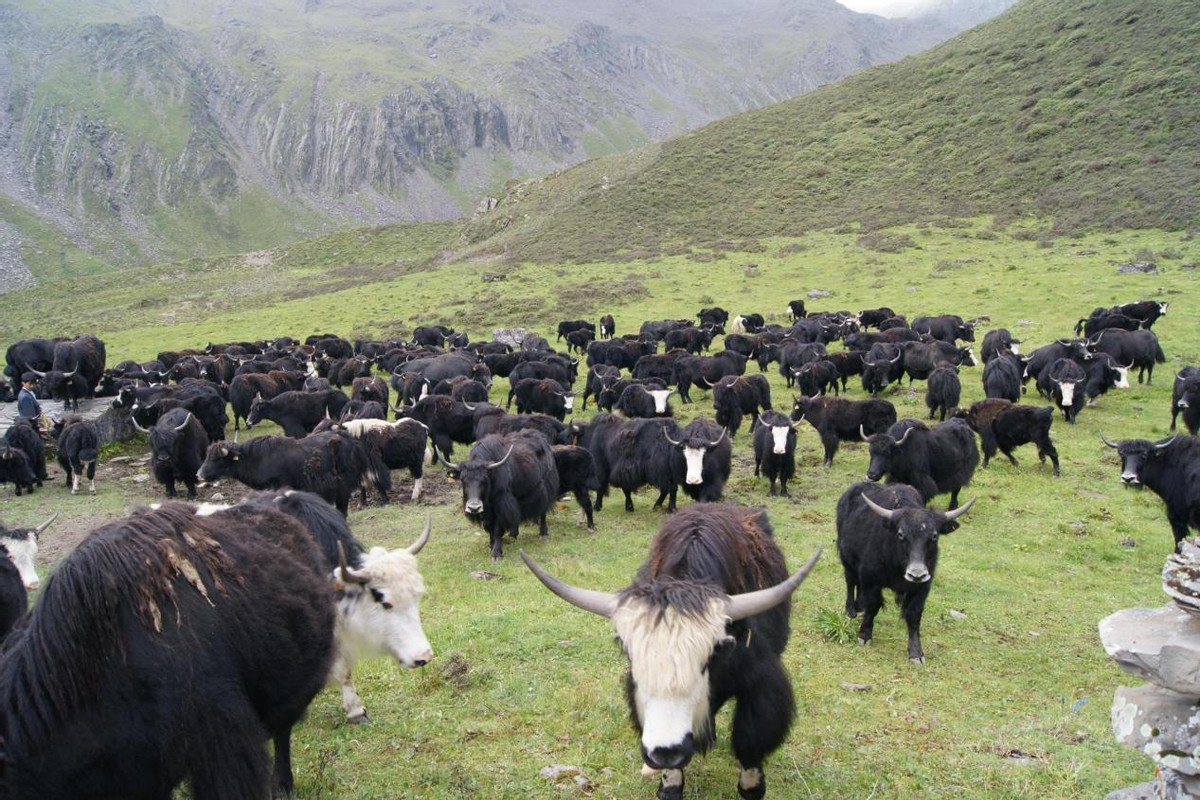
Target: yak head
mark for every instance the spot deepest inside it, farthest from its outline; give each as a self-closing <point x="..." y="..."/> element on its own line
<point x="917" y="530"/>
<point x="885" y="450"/>
<point x="381" y="603"/>
<point x="475" y="475"/>
<point x="22" y="546"/>
<point x="1135" y="453"/>
<point x="670" y="630"/>
<point x="694" y="448"/>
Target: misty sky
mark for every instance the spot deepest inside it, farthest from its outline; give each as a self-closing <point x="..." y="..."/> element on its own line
<point x="886" y="8"/>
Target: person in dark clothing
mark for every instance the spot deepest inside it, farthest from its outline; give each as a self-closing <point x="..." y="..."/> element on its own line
<point x="28" y="407"/>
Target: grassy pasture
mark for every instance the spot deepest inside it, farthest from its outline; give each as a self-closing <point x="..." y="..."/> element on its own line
<point x="1014" y="699"/>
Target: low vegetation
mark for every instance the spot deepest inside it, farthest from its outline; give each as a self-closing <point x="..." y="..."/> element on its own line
<point x="1013" y="701"/>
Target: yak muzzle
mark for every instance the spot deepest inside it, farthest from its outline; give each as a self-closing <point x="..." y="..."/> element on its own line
<point x="674" y="757"/>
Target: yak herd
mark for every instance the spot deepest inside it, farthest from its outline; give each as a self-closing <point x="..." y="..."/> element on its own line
<point x="286" y="596"/>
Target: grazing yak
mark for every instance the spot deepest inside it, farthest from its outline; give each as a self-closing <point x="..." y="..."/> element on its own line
<point x="224" y="633"/>
<point x="703" y="623"/>
<point x="887" y="539"/>
<point x="839" y="420"/>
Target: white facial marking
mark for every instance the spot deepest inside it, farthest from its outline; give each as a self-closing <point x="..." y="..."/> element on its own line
<point x="694" y="456"/>
<point x="779" y="435"/>
<point x="23" y="551"/>
<point x="569" y="401"/>
<point x="668" y="654"/>
<point x="1068" y="392"/>
<point x="660" y="399"/>
<point x="1123" y="381"/>
<point x="366" y="626"/>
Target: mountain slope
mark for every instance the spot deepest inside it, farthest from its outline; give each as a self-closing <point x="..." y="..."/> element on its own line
<point x="136" y="130"/>
<point x="1081" y="114"/>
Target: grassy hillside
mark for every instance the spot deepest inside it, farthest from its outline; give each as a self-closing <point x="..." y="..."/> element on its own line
<point x="1077" y="113"/>
<point x="1014" y="699"/>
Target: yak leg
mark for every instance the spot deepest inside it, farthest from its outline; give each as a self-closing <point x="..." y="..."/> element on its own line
<point x="760" y="723"/>
<point x="1046" y="448"/>
<point x="497" y="547"/>
<point x="283" y="781"/>
<point x="851" y="592"/>
<point x="629" y="500"/>
<point x="543" y="532"/>
<point x="670" y="785"/>
<point x="339" y="673"/>
<point x="585" y="507"/>
<point x="870" y="602"/>
<point x="912" y="606"/>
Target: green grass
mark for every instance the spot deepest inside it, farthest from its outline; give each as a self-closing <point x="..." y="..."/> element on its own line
<point x="521" y="680"/>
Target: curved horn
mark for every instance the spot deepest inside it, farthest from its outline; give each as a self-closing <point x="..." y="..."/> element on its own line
<point x="748" y="604"/>
<point x="602" y="603"/>
<point x="1167" y="443"/>
<point x="719" y="438"/>
<point x="958" y="512"/>
<point x="669" y="439"/>
<point x="900" y="441"/>
<point x="38" y="530"/>
<point x="416" y="546"/>
<point x="897" y="358"/>
<point x="183" y="424"/>
<point x="1113" y="445"/>
<point x="862" y="432"/>
<point x="501" y="461"/>
<point x="39" y="373"/>
<point x="136" y="425"/>
<point x="700" y="380"/>
<point x="887" y="513"/>
<point x="442" y="459"/>
<point x="348" y="575"/>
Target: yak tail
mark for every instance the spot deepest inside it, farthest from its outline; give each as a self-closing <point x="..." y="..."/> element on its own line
<point x="1079" y="327"/>
<point x="1159" y="358"/>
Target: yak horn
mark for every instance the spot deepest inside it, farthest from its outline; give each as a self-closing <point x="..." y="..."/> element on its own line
<point x="958" y="512"/>
<point x="442" y="459"/>
<point x="719" y="438"/>
<point x="602" y="603"/>
<point x="887" y="513"/>
<point x="348" y="575"/>
<point x="39" y="373"/>
<point x="1113" y="445"/>
<point x="416" y="546"/>
<point x="183" y="424"/>
<point x="669" y="439"/>
<point x="501" y="461"/>
<point x="135" y="424"/>
<point x="747" y="604"/>
<point x="1166" y="443"/>
<point x="38" y="530"/>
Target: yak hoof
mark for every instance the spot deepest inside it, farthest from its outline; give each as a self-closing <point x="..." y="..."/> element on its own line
<point x="863" y="642"/>
<point x="591" y="528"/>
<point x="361" y="719"/>
<point x="918" y="660"/>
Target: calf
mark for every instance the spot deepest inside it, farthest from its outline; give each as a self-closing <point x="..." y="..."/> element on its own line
<point x="943" y="391"/>
<point x="297" y="412"/>
<point x="607" y="326"/>
<point x="15" y="469"/>
<point x="775" y="450"/>
<point x="887" y="539"/>
<point x="577" y="474"/>
<point x="1004" y="426"/>
<point x="78" y="450"/>
<point x="704" y="622"/>
<point x="508" y="479"/>
<point x="839" y="420"/>
<point x="22" y="436"/>
<point x="932" y="460"/>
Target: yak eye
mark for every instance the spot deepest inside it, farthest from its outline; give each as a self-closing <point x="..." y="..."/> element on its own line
<point x="377" y="596"/>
